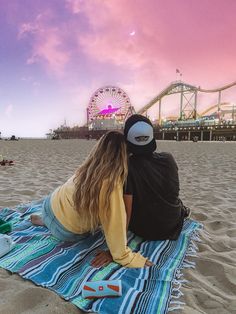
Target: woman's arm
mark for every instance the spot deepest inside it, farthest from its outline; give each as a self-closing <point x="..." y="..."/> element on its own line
<point x="114" y="227"/>
<point x="128" y="200"/>
<point x="103" y="258"/>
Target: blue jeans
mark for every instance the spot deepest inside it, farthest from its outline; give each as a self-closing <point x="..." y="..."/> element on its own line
<point x="56" y="228"/>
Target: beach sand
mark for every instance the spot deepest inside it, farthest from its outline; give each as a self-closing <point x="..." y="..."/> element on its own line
<point x="207" y="178"/>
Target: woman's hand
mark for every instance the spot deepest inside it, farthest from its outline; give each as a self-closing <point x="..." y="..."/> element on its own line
<point x="102" y="258"/>
<point x="148" y="263"/>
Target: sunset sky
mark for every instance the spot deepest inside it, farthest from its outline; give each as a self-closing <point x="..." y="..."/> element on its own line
<point x="54" y="54"/>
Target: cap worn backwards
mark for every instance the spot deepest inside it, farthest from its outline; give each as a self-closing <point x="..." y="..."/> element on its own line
<point x="139" y="134"/>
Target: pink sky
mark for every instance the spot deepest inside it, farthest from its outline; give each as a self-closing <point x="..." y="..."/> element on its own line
<point x="55" y="54"/>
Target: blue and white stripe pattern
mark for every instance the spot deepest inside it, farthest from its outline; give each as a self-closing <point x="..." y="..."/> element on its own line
<point x="64" y="267"/>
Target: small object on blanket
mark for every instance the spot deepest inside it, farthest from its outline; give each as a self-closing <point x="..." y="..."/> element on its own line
<point x="6" y="244"/>
<point x="102" y="289"/>
<point x="5" y="226"/>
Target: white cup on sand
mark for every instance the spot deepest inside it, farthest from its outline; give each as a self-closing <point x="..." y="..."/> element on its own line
<point x="6" y="244"/>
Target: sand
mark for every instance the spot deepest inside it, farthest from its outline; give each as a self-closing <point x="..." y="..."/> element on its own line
<point x="207" y="176"/>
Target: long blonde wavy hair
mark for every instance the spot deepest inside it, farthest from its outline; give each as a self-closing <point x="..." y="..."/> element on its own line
<point x="107" y="161"/>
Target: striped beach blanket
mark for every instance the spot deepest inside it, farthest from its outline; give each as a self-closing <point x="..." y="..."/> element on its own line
<point x="64" y="267"/>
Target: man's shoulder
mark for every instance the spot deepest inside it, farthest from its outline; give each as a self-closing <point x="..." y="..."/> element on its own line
<point x="162" y="155"/>
<point x="154" y="155"/>
<point x="165" y="158"/>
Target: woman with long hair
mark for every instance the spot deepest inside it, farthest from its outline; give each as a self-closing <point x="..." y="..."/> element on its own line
<point x="93" y="198"/>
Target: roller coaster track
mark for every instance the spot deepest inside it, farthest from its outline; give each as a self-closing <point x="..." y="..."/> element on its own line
<point x="179" y="86"/>
<point x="209" y="109"/>
<point x="173" y="88"/>
<point x="216" y="89"/>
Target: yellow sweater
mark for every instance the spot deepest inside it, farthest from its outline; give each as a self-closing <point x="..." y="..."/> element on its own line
<point x="114" y="227"/>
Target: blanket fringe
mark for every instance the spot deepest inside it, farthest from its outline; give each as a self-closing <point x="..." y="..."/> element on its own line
<point x="176" y="305"/>
<point x="176" y="293"/>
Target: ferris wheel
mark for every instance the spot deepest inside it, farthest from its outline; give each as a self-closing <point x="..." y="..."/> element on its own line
<point x="108" y="97"/>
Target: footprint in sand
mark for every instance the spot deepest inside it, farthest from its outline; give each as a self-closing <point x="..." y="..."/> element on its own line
<point x="231" y="232"/>
<point x="200" y="216"/>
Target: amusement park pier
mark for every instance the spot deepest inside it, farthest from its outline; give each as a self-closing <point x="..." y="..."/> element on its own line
<point x="110" y="106"/>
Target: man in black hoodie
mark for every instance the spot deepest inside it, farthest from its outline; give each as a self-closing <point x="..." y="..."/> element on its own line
<point x="151" y="192"/>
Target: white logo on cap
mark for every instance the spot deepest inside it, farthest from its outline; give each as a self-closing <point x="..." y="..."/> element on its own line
<point x="141" y="133"/>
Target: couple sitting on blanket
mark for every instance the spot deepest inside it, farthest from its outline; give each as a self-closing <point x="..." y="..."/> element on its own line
<point x="123" y="184"/>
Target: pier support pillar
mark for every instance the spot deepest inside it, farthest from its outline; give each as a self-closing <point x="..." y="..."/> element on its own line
<point x="163" y="135"/>
<point x="210" y="139"/>
<point x="201" y="135"/>
<point x="189" y="135"/>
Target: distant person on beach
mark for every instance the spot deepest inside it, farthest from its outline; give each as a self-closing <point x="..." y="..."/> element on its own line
<point x="93" y="198"/>
<point x="4" y="161"/>
<point x="151" y="192"/>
